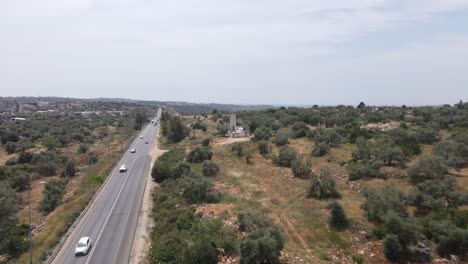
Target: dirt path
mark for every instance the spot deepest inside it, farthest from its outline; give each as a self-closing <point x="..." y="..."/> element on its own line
<point x="229" y="140"/>
<point x="142" y="240"/>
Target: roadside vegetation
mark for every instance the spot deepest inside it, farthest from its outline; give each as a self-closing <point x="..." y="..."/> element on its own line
<point x="61" y="160"/>
<point x="350" y="184"/>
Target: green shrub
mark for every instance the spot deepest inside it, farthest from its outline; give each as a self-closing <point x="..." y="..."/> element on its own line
<point x="263" y="147"/>
<point x="164" y="165"/>
<point x="320" y="150"/>
<point x="182" y="168"/>
<point x="199" y="154"/>
<point x="383" y="200"/>
<point x="301" y="168"/>
<point x="262" y="133"/>
<point x="52" y="194"/>
<point x="69" y="170"/>
<point x="337" y="219"/>
<point x="198" y="190"/>
<point x="19" y="180"/>
<point x="209" y="168"/>
<point x="282" y="139"/>
<point x="392" y="247"/>
<point x="286" y="156"/>
<point x="323" y="186"/>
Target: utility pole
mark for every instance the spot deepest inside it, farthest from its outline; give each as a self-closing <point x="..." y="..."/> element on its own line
<point x="30" y="222"/>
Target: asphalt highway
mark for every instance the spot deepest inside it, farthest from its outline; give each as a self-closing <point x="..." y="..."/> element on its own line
<point x="111" y="220"/>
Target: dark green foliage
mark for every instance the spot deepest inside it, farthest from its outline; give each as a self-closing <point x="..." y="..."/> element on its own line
<point x="381" y="201"/>
<point x="83" y="148"/>
<point x="427" y="168"/>
<point x="408" y="143"/>
<point x="52" y="194"/>
<point x="363" y="150"/>
<point x="8" y="200"/>
<point x="248" y="156"/>
<point x="323" y="186"/>
<point x="451" y="239"/>
<point x="286" y="156"/>
<point x="209" y="168"/>
<point x="197" y="189"/>
<point x="9" y="136"/>
<point x="250" y="222"/>
<point x="451" y="151"/>
<point x="14" y="237"/>
<point x="20" y="180"/>
<point x="173" y="129"/>
<point x="183" y="168"/>
<point x="301" y="167"/>
<point x="92" y="158"/>
<point x="437" y="194"/>
<point x="10" y="147"/>
<point x="361" y="105"/>
<point x="222" y="129"/>
<point x="199" y="125"/>
<point x="165" y="164"/>
<point x="299" y="129"/>
<point x="263" y="147"/>
<point x="455" y="242"/>
<point x="427" y="135"/>
<point x="46" y="169"/>
<point x="262" y="246"/>
<point x="69" y="170"/>
<point x="238" y="149"/>
<point x="387" y="153"/>
<point x="140" y="120"/>
<point x="327" y="136"/>
<point x="320" y="150"/>
<point x="392" y="247"/>
<point x="262" y="132"/>
<point x="282" y="139"/>
<point x="206" y="142"/>
<point x="337" y="219"/>
<point x="199" y="154"/>
<point x="11" y="162"/>
<point x="403" y="228"/>
<point x="49" y="142"/>
<point x="25" y="157"/>
<point x="364" y="169"/>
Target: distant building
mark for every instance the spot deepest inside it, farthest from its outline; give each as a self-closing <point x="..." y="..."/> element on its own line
<point x="237" y="131"/>
<point x="18" y="119"/>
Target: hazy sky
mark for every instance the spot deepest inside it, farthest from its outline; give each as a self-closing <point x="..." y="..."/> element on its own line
<point x="237" y="51"/>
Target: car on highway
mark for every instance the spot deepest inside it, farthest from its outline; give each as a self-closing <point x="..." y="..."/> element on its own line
<point x="123" y="168"/>
<point x="147" y="142"/>
<point x="83" y="246"/>
<point x="133" y="150"/>
<point x="141" y="137"/>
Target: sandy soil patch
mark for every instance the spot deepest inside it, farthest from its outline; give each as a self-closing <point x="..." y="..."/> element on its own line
<point x="229" y="140"/>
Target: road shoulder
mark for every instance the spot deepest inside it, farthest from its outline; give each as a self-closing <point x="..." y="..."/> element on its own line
<point x="142" y="240"/>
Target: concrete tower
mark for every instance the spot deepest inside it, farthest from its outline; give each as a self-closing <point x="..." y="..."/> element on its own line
<point x="232" y="122"/>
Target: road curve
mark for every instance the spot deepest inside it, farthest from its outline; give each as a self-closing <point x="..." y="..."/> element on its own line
<point x="111" y="219"/>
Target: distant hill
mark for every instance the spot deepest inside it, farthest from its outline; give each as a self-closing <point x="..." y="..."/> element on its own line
<point x="181" y="107"/>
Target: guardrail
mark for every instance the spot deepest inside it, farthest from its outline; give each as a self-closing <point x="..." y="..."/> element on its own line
<point x="77" y="220"/>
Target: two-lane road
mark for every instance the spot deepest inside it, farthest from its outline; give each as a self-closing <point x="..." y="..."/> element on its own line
<point x="111" y="219"/>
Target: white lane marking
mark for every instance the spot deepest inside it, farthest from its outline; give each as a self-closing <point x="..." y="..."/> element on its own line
<point x="108" y="215"/>
<point x="88" y="214"/>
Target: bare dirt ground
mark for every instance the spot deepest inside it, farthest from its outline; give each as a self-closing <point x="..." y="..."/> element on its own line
<point x="142" y="240"/>
<point x="229" y="140"/>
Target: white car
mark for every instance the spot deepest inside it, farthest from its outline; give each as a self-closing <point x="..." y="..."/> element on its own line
<point x="141" y="137"/>
<point x="146" y="142"/>
<point x="133" y="150"/>
<point x="123" y="168"/>
<point x="83" y="246"/>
